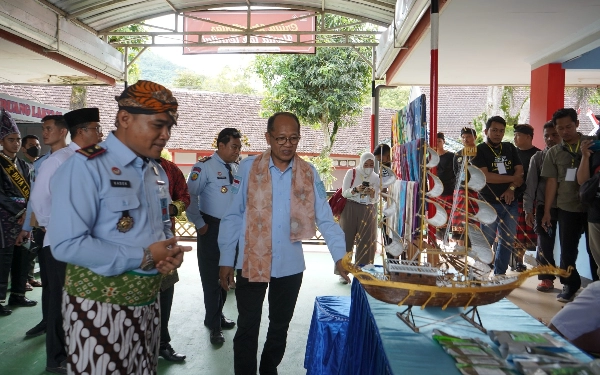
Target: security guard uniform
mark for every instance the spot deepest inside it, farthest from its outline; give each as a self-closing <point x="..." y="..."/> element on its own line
<point x="209" y="184"/>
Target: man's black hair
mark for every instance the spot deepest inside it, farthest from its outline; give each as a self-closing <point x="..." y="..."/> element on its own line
<point x="28" y="137"/>
<point x="498" y="119"/>
<point x="271" y="120"/>
<point x="59" y="120"/>
<point x="381" y="150"/>
<point x="548" y="125"/>
<point x="226" y="134"/>
<point x="564" y="112"/>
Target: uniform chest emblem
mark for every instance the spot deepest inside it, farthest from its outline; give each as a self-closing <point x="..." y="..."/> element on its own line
<point x="125" y="223"/>
<point x="116" y="170"/>
<point x="224" y="189"/>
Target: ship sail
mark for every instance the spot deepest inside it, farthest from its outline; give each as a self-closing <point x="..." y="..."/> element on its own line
<point x="485" y="212"/>
<point x="476" y="178"/>
<point x="480" y="249"/>
<point x="438" y="187"/>
<point x="434" y="158"/>
<point x="440" y="218"/>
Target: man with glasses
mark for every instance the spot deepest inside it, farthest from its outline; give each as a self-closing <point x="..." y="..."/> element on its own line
<point x="84" y="126"/>
<point x="210" y="185"/>
<point x="277" y="200"/>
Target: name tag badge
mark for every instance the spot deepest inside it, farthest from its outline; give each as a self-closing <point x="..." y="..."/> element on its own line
<point x="364" y="199"/>
<point x="501" y="168"/>
<point x="571" y="174"/>
<point x="120" y="183"/>
<point x="164" y="209"/>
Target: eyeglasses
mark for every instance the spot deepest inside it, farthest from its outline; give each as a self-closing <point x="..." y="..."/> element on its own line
<point x="282" y="140"/>
<point x="98" y="129"/>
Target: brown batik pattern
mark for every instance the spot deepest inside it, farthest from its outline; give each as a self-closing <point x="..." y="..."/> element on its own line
<point x="103" y="338"/>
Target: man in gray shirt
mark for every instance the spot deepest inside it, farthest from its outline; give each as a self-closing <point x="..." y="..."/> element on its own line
<point x="533" y="205"/>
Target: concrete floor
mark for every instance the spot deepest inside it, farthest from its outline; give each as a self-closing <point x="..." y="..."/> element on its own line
<point x="190" y="337"/>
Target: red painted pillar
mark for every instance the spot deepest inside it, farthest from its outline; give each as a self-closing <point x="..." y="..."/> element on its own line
<point x="547" y="95"/>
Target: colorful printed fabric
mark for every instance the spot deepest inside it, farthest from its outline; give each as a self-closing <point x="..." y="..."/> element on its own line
<point x="103" y="338"/>
<point x="258" y="247"/>
<point x="526" y="236"/>
<point x="127" y="289"/>
<point x="146" y="97"/>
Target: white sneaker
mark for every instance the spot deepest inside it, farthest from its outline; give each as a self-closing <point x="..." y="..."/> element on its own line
<point x="342" y="280"/>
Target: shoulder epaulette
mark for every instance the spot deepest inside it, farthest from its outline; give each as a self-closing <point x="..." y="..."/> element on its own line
<point x="204" y="159"/>
<point x="92" y="151"/>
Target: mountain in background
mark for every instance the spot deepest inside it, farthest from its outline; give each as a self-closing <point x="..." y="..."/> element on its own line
<point x="157" y="69"/>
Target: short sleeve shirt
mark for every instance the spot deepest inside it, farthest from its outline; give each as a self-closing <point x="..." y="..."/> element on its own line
<point x="491" y="158"/>
<point x="558" y="160"/>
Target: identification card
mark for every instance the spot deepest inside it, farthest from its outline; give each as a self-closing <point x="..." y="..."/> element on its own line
<point x="364" y="199"/>
<point x="501" y="168"/>
<point x="164" y="209"/>
<point x="571" y="174"/>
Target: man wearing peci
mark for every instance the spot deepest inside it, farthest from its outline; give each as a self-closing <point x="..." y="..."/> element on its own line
<point x="209" y="185"/>
<point x="277" y="198"/>
<point x="115" y="234"/>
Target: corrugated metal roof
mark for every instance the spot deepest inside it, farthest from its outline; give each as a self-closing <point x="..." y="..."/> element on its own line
<point x="107" y="15"/>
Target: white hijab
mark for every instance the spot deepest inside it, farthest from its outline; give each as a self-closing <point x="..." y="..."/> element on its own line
<point x="361" y="165"/>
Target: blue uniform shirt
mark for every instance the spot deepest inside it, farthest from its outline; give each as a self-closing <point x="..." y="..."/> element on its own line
<point x="210" y="190"/>
<point x="90" y="196"/>
<point x="288" y="257"/>
<point x="36" y="168"/>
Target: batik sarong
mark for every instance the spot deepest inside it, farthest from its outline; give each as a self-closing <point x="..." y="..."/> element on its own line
<point x="104" y="338"/>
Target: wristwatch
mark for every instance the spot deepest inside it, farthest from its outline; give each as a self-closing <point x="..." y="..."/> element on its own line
<point x="148" y="261"/>
<point x="512" y="187"/>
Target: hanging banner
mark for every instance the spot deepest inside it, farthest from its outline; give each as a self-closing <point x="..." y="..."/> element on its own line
<point x="27" y="111"/>
<point x="275" y="22"/>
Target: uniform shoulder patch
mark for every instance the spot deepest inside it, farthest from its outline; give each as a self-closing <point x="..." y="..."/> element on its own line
<point x="92" y="151"/>
<point x="204" y="159"/>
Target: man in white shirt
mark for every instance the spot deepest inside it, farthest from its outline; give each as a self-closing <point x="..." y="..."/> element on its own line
<point x="85" y="129"/>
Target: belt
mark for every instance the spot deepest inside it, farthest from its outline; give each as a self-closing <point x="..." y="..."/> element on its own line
<point x="127" y="289"/>
<point x="208" y="218"/>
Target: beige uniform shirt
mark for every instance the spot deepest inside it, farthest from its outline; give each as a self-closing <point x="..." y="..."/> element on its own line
<point x="556" y="165"/>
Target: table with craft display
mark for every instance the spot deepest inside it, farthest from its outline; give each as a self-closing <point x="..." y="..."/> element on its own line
<point x="361" y="335"/>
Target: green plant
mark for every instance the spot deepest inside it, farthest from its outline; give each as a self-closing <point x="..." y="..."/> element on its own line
<point x="324" y="166"/>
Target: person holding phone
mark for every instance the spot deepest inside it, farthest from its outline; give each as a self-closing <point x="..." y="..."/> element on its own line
<point x="359" y="217"/>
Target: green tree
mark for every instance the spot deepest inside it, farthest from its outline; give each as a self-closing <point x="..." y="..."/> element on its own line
<point x="392" y="98"/>
<point x="325" y="90"/>
<point x="189" y="80"/>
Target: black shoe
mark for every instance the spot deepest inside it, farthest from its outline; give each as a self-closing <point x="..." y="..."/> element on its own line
<point x="168" y="353"/>
<point x="226" y="323"/>
<point x="216" y="337"/>
<point x="23" y="301"/>
<point x="57" y="370"/>
<point x="39" y="329"/>
<point x="5" y="311"/>
<point x="567" y="294"/>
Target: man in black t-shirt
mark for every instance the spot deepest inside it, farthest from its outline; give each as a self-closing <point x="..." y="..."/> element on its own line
<point x="590" y="165"/>
<point x="526" y="237"/>
<point x="503" y="171"/>
<point x="445" y="171"/>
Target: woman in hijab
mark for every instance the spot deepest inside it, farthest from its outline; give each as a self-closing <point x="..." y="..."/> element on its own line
<point x="359" y="217"/>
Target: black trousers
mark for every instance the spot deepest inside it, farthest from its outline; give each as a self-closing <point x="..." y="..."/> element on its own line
<point x="545" y="241"/>
<point x="55" y="334"/>
<point x="38" y="238"/>
<point x="166" y="301"/>
<point x="208" y="264"/>
<point x="13" y="261"/>
<point x="283" y="294"/>
<point x="571" y="226"/>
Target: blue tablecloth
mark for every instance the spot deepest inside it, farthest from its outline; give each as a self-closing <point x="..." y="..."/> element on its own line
<point x="327" y="335"/>
<point x="377" y="342"/>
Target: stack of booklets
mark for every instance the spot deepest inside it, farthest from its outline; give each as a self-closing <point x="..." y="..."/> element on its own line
<point x="540" y="354"/>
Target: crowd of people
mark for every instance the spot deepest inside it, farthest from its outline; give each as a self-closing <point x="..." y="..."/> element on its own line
<point x="99" y="213"/>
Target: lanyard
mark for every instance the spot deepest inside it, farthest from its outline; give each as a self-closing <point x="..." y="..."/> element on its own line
<point x="574" y="152"/>
<point x="497" y="155"/>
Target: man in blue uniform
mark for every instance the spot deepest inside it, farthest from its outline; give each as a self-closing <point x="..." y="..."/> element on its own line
<point x="115" y="234"/>
<point x="209" y="185"/>
<point x="277" y="200"/>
